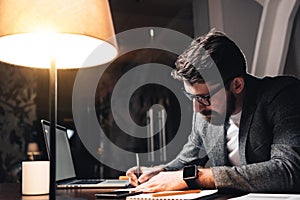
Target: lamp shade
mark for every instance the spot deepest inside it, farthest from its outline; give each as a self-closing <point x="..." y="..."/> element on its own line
<point x="32" y="32"/>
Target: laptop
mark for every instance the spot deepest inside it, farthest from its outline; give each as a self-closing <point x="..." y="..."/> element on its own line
<point x="65" y="171"/>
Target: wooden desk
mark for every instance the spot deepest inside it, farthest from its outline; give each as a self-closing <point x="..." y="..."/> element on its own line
<point x="12" y="191"/>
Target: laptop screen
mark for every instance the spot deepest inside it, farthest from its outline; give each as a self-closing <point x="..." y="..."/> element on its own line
<point x="64" y="162"/>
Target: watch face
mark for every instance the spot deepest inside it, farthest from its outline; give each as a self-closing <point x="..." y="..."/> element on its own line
<point x="190" y="172"/>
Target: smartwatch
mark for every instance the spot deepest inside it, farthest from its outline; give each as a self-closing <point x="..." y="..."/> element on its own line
<point x="190" y="176"/>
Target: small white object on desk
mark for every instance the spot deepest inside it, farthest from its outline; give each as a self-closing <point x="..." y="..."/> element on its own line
<point x="35" y="177"/>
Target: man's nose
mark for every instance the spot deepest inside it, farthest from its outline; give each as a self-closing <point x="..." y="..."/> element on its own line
<point x="197" y="107"/>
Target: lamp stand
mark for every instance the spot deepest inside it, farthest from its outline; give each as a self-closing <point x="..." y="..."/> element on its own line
<point x="53" y="122"/>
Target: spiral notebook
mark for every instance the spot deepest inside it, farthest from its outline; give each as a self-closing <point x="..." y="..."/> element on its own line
<point x="204" y="194"/>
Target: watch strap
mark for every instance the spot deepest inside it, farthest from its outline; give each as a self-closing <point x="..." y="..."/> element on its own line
<point x="190" y="176"/>
<point x="192" y="183"/>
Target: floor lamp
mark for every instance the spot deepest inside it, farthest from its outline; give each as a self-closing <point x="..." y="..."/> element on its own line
<point x="56" y="34"/>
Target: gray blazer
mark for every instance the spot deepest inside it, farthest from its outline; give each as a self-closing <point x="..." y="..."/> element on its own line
<point x="269" y="140"/>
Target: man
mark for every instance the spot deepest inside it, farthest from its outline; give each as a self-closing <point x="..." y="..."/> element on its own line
<point x="249" y="130"/>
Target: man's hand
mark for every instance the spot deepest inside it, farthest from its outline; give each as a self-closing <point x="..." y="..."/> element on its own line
<point x="163" y="181"/>
<point x="146" y="174"/>
<point x="173" y="180"/>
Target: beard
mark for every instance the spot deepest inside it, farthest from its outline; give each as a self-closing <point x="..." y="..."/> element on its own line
<point x="231" y="104"/>
<point x="216" y="118"/>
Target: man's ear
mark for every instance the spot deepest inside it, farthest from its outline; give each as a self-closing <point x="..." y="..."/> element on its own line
<point x="237" y="85"/>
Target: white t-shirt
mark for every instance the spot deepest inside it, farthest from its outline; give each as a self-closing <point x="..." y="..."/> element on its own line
<point x="232" y="138"/>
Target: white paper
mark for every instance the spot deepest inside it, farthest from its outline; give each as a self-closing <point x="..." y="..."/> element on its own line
<point x="264" y="196"/>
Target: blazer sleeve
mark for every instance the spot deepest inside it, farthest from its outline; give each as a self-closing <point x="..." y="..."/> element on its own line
<point x="193" y="152"/>
<point x="281" y="173"/>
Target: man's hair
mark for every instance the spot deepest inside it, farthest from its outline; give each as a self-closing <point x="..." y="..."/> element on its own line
<point x="205" y="54"/>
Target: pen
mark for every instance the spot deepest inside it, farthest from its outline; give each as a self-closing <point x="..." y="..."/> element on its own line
<point x="138" y="170"/>
<point x="170" y="193"/>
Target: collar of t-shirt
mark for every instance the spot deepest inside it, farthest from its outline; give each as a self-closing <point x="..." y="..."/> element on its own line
<point x="236" y="118"/>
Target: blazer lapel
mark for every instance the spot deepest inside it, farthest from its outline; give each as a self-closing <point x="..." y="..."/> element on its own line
<point x="214" y="144"/>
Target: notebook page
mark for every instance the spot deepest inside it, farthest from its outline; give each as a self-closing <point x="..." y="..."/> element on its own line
<point x="148" y="196"/>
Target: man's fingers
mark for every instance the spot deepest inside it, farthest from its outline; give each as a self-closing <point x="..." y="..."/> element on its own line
<point x="148" y="175"/>
<point x="132" y="177"/>
<point x="133" y="181"/>
<point x="147" y="187"/>
<point x="144" y="178"/>
<point x="145" y="175"/>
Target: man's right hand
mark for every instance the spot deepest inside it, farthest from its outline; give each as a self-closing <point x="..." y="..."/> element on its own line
<point x="145" y="174"/>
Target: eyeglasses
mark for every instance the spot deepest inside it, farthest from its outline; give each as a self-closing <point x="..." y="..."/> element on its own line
<point x="202" y="99"/>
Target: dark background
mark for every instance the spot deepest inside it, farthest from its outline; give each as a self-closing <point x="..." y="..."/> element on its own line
<point x="24" y="92"/>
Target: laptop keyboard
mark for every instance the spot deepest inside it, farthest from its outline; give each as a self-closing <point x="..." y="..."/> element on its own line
<point x="88" y="181"/>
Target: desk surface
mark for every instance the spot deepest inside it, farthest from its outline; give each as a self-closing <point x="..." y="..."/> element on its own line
<point x="12" y="191"/>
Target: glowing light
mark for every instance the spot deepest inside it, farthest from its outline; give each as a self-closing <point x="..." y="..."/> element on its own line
<point x="70" y="50"/>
